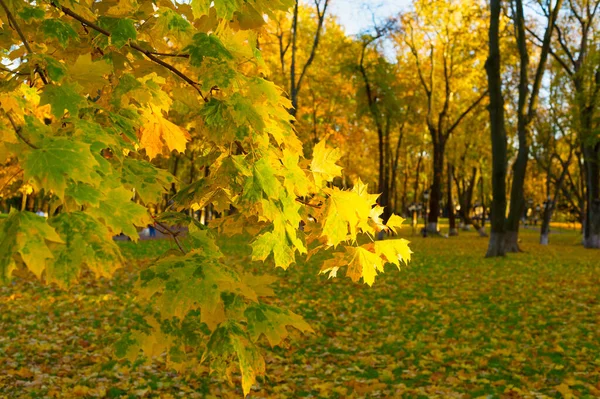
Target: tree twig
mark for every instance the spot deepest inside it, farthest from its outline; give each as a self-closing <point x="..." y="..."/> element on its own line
<point x="18" y="131"/>
<point x="178" y="55"/>
<point x="308" y="203"/>
<point x="134" y="46"/>
<point x="173" y="234"/>
<point x="13" y="72"/>
<point x="10" y="179"/>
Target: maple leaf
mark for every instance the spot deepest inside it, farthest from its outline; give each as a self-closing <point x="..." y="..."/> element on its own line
<point x="28" y="235"/>
<point x="122" y="30"/>
<point x="347" y="213"/>
<point x="87" y="241"/>
<point x="63" y="97"/>
<point x="272" y="322"/>
<point x="120" y="213"/>
<point x="262" y="181"/>
<point x="394" y="251"/>
<point x="231" y="340"/>
<point x="158" y="133"/>
<point x="323" y="164"/>
<point x="394" y="223"/>
<point x="89" y="74"/>
<point x="56" y="162"/>
<point x="59" y="30"/>
<point x="205" y="45"/>
<point x="195" y="281"/>
<point x="276" y="243"/>
<point x="150" y="182"/>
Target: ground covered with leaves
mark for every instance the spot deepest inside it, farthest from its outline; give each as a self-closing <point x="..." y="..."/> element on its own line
<point x="452" y="324"/>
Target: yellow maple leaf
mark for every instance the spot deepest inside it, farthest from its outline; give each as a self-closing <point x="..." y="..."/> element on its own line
<point x="90" y="74"/>
<point x="394" y="251"/>
<point x="364" y="264"/>
<point x="158" y="133"/>
<point x="123" y="8"/>
<point x="323" y="162"/>
<point x="394" y="223"/>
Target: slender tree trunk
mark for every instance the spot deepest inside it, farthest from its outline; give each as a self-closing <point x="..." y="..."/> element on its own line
<point x="498" y="135"/>
<point x="436" y="188"/>
<point x="517" y="198"/>
<point x="453" y="231"/>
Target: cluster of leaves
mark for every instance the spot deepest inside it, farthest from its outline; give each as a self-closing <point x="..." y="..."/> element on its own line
<point x="95" y="91"/>
<point x="458" y="326"/>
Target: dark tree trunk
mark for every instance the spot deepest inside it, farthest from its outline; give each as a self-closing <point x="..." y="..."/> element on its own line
<point x="435" y="195"/>
<point x="526" y="111"/>
<point x="591" y="236"/>
<point x="498" y="135"/>
<point x="453" y="231"/>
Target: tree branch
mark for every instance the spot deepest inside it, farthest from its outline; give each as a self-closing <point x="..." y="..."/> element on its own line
<point x="172" y="234"/>
<point x="15" y="25"/>
<point x="321" y="15"/>
<point x="149" y="54"/>
<point x="13" y="72"/>
<point x="465" y="113"/>
<point x="18" y="131"/>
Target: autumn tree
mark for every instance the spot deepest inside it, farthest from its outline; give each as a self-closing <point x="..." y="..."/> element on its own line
<point x="498" y="134"/>
<point x="93" y="91"/>
<point x="576" y="49"/>
<point x="446" y="43"/>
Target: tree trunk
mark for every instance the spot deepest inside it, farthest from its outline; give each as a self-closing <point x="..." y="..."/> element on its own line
<point x="453" y="231"/>
<point x="436" y="188"/>
<point x="545" y="230"/>
<point x="517" y="198"/>
<point x="498" y="135"/>
<point x="591" y="238"/>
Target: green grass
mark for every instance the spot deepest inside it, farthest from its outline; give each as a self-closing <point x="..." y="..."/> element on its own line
<point x="451" y="324"/>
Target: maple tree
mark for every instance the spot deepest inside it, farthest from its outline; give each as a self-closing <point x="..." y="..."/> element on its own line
<point x="442" y="38"/>
<point x="94" y="91"/>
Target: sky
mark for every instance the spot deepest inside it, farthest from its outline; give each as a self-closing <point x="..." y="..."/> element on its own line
<point x="357" y="15"/>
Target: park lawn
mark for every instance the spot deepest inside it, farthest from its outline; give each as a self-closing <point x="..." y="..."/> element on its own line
<point x="451" y="324"/>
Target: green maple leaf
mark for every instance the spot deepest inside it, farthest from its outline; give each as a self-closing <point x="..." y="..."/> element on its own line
<point x="195" y="281"/>
<point x="65" y="96"/>
<point x="205" y="45"/>
<point x="27" y="234"/>
<point x="28" y="13"/>
<point x="274" y="242"/>
<point x="272" y="322"/>
<point x="150" y="182"/>
<point x="84" y="194"/>
<point x="87" y="242"/>
<point x="296" y="181"/>
<point x="263" y="180"/>
<point x="229" y="341"/>
<point x="120" y="213"/>
<point x="56" y="70"/>
<point x="59" y="30"/>
<point x="56" y="162"/>
<point x="121" y="30"/>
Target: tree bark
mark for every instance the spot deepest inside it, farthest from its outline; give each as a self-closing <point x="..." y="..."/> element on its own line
<point x="453" y="231"/>
<point x="526" y="111"/>
<point x="435" y="195"/>
<point x="498" y="135"/>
